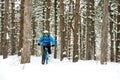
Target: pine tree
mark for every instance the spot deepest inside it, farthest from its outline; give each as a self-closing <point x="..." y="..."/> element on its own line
<point x="33" y="36"/>
<point x="118" y="35"/>
<point x="13" y="39"/>
<point x="61" y="28"/>
<point x="48" y="15"/>
<point x="104" y="35"/>
<point x="111" y="33"/>
<point x="5" y="29"/>
<point x="20" y="47"/>
<point x="25" y="56"/>
<point x="75" y="34"/>
<point x="2" y="26"/>
<point x="55" y="23"/>
<point x="90" y="48"/>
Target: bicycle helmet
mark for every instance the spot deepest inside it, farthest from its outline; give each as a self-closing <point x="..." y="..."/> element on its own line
<point x="45" y="31"/>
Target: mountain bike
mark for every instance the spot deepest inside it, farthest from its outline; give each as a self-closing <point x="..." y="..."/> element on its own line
<point x="45" y="55"/>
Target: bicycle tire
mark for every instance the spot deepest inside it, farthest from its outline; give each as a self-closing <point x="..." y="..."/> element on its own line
<point x="45" y="56"/>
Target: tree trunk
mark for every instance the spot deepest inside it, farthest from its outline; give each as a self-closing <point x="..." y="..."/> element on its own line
<point x="69" y="40"/>
<point x="111" y="34"/>
<point x="48" y="15"/>
<point x="55" y="17"/>
<point x="33" y="36"/>
<point x="70" y="27"/>
<point x="61" y="28"/>
<point x="93" y="45"/>
<point x="13" y="39"/>
<point x="118" y="36"/>
<point x="104" y="35"/>
<point x="80" y="40"/>
<point x="5" y="29"/>
<point x="2" y="26"/>
<point x="43" y="15"/>
<point x="20" y="48"/>
<point x="75" y="40"/>
<point x="90" y="47"/>
<point x="83" y="39"/>
<point x="25" y="56"/>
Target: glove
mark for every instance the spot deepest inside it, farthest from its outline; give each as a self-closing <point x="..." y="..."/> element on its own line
<point x="53" y="45"/>
<point x="38" y="44"/>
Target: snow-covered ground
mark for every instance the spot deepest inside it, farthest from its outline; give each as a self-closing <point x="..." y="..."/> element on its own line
<point x="11" y="69"/>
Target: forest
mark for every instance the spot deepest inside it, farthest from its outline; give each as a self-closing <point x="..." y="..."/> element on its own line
<point x="83" y="29"/>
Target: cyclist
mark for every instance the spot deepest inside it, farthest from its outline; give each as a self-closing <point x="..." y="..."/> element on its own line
<point x="46" y="40"/>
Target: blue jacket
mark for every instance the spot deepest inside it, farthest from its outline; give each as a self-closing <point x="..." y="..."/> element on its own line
<point x="46" y="40"/>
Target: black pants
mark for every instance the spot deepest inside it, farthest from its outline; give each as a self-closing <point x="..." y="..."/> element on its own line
<point x="49" y="49"/>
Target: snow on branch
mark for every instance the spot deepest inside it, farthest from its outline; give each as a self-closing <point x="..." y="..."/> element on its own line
<point x="112" y="20"/>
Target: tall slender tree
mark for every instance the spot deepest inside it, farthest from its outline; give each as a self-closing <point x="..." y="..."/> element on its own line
<point x="93" y="45"/>
<point x="55" y="23"/>
<point x="5" y="29"/>
<point x="104" y="34"/>
<point x="61" y="28"/>
<point x="25" y="56"/>
<point x="70" y="18"/>
<point x="2" y="28"/>
<point x="33" y="36"/>
<point x="20" y="47"/>
<point x="111" y="33"/>
<point x="13" y="45"/>
<point x="83" y="39"/>
<point x="43" y="16"/>
<point x="48" y="15"/>
<point x="88" y="46"/>
<point x="75" y="45"/>
<point x="118" y="35"/>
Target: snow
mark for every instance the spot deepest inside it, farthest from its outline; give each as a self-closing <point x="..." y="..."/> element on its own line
<point x="11" y="69"/>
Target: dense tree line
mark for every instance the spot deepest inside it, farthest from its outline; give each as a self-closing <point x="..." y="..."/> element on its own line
<point x="83" y="29"/>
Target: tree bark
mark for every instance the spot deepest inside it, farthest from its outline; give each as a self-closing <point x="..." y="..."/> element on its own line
<point x="5" y="29"/>
<point x="2" y="28"/>
<point x="33" y="36"/>
<point x="75" y="40"/>
<point x="25" y="57"/>
<point x="90" y="48"/>
<point x="48" y="15"/>
<point x="70" y="19"/>
<point x="104" y="35"/>
<point x="55" y="17"/>
<point x="43" y="16"/>
<point x="93" y="44"/>
<point x="13" y="39"/>
<point x="111" y="34"/>
<point x="118" y="35"/>
<point x="88" y="43"/>
<point x="20" y="48"/>
<point x="61" y="28"/>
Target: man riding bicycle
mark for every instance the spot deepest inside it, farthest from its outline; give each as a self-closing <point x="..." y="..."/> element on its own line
<point x="46" y="40"/>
